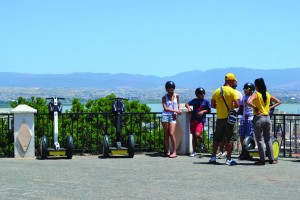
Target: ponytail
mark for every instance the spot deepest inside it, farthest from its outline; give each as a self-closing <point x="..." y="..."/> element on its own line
<point x="261" y="87"/>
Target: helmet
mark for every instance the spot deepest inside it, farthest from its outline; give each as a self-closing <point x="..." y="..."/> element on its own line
<point x="170" y="84"/>
<point x="249" y="86"/>
<point x="199" y="90"/>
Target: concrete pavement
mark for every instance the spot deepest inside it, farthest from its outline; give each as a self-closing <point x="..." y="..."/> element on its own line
<point x="147" y="176"/>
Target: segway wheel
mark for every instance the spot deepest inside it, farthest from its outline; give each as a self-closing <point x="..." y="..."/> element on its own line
<point x="105" y="146"/>
<point x="70" y="146"/>
<point x="44" y="147"/>
<point x="248" y="143"/>
<point x="130" y="146"/>
<point x="276" y="149"/>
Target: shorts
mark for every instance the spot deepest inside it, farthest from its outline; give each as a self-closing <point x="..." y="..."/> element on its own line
<point x="246" y="128"/>
<point x="167" y="118"/>
<point x="196" y="127"/>
<point x="224" y="130"/>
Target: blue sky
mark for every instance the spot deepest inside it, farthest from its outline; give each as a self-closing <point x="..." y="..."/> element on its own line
<point x="148" y="37"/>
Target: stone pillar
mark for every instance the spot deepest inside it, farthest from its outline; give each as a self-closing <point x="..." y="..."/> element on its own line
<point x="182" y="134"/>
<point x="24" y="131"/>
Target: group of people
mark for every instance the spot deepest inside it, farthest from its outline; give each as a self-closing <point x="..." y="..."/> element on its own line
<point x="254" y="106"/>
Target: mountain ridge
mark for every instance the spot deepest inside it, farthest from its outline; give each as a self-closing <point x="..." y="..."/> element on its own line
<point x="209" y="79"/>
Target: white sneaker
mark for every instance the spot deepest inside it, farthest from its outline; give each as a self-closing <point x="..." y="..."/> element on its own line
<point x="230" y="162"/>
<point x="224" y="154"/>
<point x="219" y="155"/>
<point x="193" y="154"/>
<point x="212" y="160"/>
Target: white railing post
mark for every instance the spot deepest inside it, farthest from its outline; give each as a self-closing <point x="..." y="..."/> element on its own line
<point x="182" y="133"/>
<point x="24" y="131"/>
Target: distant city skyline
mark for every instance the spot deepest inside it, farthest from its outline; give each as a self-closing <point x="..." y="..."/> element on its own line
<point x="160" y="38"/>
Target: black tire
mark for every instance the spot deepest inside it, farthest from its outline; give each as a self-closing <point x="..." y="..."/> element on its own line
<point x="105" y="146"/>
<point x="276" y="148"/>
<point x="130" y="146"/>
<point x="44" y="147"/>
<point x="70" y="146"/>
<point x="248" y="143"/>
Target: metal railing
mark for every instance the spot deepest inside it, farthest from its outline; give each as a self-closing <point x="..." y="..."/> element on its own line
<point x="285" y="128"/>
<point x="88" y="130"/>
<point x="6" y="135"/>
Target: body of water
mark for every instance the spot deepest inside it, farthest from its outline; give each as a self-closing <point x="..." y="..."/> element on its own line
<point x="288" y="108"/>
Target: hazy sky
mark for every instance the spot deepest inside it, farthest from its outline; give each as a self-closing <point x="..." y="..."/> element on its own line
<point x="149" y="37"/>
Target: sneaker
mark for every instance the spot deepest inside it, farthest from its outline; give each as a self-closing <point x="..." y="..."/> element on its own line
<point x="193" y="154"/>
<point x="230" y="162"/>
<point x="201" y="146"/>
<point x="224" y="154"/>
<point x="219" y="155"/>
<point x="212" y="160"/>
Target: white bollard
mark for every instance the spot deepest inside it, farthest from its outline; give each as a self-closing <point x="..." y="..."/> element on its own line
<point x="182" y="134"/>
<point x="24" y="131"/>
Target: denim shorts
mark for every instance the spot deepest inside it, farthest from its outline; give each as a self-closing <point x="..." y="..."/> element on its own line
<point x="167" y="118"/>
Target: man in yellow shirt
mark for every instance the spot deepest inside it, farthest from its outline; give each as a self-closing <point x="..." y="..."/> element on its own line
<point x="224" y="130"/>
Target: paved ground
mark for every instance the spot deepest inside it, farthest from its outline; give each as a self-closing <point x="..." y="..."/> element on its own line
<point x="147" y="176"/>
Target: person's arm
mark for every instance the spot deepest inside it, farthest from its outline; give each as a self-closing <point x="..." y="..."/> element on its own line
<point x="179" y="111"/>
<point x="164" y="104"/>
<point x="250" y="102"/>
<point x="208" y="110"/>
<point x="213" y="103"/>
<point x="236" y="103"/>
<point x="276" y="101"/>
<point x="187" y="105"/>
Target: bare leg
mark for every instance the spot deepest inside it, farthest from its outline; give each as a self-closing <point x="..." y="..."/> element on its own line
<point x="229" y="147"/>
<point x="198" y="136"/>
<point x="194" y="143"/>
<point x="215" y="148"/>
<point x="166" y="136"/>
<point x="172" y="127"/>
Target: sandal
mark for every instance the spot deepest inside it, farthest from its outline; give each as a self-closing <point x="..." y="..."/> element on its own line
<point x="260" y="162"/>
<point x="273" y="161"/>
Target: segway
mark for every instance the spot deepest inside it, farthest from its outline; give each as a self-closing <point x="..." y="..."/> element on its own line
<point x="55" y="108"/>
<point x="118" y="109"/>
<point x="251" y="151"/>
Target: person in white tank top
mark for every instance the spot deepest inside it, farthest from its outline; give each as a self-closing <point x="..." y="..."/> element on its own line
<point x="171" y="108"/>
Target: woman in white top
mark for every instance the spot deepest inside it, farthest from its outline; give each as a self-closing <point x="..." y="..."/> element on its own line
<point x="171" y="106"/>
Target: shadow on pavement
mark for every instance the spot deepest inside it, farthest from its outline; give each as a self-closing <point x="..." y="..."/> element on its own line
<point x="221" y="163"/>
<point x="157" y="155"/>
<point x="114" y="157"/>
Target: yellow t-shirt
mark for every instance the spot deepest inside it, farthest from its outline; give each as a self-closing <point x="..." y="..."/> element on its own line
<point x="261" y="105"/>
<point x="230" y="95"/>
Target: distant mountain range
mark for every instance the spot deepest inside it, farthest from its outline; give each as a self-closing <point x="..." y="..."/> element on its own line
<point x="287" y="79"/>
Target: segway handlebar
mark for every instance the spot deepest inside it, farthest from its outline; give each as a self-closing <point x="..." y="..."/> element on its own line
<point x="118" y="98"/>
<point x="59" y="98"/>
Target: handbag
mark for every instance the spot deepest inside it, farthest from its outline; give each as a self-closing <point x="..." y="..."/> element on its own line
<point x="232" y="114"/>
